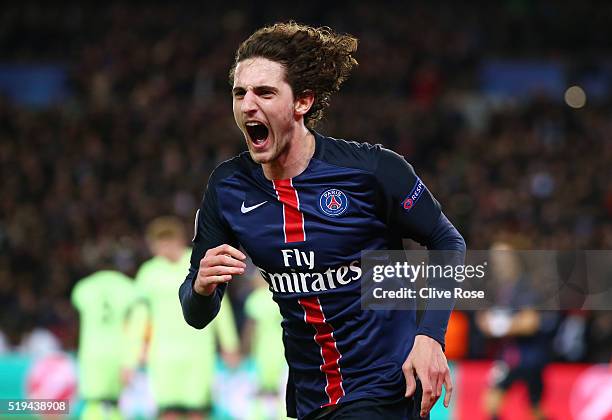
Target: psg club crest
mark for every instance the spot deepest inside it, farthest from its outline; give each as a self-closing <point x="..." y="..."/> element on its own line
<point x="333" y="202"/>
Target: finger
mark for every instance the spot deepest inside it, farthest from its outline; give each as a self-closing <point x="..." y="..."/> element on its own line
<point x="207" y="287"/>
<point x="448" y="384"/>
<point x="437" y="380"/>
<point x="410" y="381"/>
<point x="220" y="270"/>
<point x="427" y="398"/>
<point x="226" y="260"/>
<point x="226" y="249"/>
<point x="218" y="279"/>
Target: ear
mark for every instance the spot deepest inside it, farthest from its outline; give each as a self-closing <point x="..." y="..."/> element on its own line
<point x="304" y="102"/>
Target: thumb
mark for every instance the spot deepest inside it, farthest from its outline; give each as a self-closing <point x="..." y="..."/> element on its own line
<point x="410" y="381"/>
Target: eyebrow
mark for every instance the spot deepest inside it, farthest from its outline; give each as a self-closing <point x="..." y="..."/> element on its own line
<point x="256" y="89"/>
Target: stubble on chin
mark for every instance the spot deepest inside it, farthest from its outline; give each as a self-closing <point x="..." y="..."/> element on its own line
<point x="259" y="158"/>
<point x="264" y="157"/>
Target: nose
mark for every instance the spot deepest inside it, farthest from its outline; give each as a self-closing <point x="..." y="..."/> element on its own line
<point x="248" y="104"/>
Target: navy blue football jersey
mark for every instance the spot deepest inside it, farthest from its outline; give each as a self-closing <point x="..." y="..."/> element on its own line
<point x="306" y="235"/>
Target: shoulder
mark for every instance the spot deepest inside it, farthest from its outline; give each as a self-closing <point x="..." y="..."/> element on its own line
<point x="352" y="154"/>
<point x="147" y="269"/>
<point x="99" y="281"/>
<point x="347" y="153"/>
<point x="114" y="280"/>
<point x="79" y="287"/>
<point x="241" y="163"/>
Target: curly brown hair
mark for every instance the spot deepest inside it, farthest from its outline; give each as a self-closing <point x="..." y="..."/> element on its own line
<point x="316" y="60"/>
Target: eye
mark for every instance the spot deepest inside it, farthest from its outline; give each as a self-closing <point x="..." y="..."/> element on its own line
<point x="265" y="93"/>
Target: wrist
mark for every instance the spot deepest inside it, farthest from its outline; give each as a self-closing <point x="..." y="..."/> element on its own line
<point x="205" y="292"/>
<point x="426" y="339"/>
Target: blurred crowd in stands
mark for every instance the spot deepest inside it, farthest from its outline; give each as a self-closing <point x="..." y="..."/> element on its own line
<point x="149" y="116"/>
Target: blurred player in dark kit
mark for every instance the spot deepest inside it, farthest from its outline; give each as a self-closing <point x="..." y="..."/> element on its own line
<point x="304" y="206"/>
<point x="526" y="334"/>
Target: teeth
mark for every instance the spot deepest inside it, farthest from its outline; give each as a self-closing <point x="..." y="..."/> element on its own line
<point x="257" y="131"/>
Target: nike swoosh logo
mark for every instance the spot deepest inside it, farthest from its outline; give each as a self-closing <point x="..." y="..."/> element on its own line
<point x="245" y="210"/>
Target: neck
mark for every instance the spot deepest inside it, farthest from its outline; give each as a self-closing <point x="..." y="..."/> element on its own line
<point x="295" y="159"/>
<point x="173" y="255"/>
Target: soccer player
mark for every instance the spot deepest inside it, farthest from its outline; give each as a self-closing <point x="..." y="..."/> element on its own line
<point x="180" y="360"/>
<point x="262" y="334"/>
<point x="304" y="206"/>
<point x="103" y="300"/>
<point x="525" y="335"/>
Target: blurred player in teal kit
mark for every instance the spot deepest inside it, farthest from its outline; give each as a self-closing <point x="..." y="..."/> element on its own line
<point x="263" y="335"/>
<point x="106" y="349"/>
<point x="180" y="360"/>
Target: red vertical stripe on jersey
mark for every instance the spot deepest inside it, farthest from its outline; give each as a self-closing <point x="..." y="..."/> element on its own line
<point x="293" y="217"/>
<point x="324" y="337"/>
<point x="313" y="313"/>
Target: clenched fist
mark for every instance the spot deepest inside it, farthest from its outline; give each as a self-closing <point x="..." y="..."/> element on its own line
<point x="218" y="266"/>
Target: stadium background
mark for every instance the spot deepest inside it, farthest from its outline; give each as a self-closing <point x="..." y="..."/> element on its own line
<point x="111" y="115"/>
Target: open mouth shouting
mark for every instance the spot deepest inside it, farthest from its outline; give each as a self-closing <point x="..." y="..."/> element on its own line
<point x="258" y="134"/>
